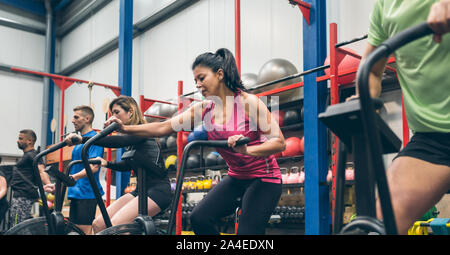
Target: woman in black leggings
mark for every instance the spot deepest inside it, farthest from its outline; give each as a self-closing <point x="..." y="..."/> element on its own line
<point x="258" y="198"/>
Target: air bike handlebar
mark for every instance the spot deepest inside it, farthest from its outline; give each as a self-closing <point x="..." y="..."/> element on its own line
<point x="84" y="157"/>
<point x="69" y="182"/>
<point x="39" y="181"/>
<point x="186" y="150"/>
<point x="368" y="113"/>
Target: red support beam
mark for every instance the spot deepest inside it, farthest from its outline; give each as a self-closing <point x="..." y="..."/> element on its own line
<point x="304" y="7"/>
<point x="179" y="155"/>
<point x="237" y="33"/>
<point x="336" y="57"/>
<point x="59" y="78"/>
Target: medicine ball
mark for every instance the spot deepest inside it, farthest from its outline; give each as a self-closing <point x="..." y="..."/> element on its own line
<point x="171" y="141"/>
<point x="293" y="147"/>
<point x="291" y="117"/>
<point x="199" y="133"/>
<point x="211" y="158"/>
<point x="193" y="161"/>
<point x="347" y="63"/>
<point x="302" y="145"/>
<point x="162" y="141"/>
<point x="220" y="160"/>
<point x="278" y="115"/>
<point x="170" y="162"/>
<point x="302" y="114"/>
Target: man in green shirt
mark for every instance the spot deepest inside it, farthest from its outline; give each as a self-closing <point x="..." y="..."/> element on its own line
<point x="420" y="174"/>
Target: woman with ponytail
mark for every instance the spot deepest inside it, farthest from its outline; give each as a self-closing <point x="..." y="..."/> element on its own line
<point x="229" y="113"/>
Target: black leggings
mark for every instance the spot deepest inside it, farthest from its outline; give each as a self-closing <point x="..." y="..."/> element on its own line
<point x="259" y="199"/>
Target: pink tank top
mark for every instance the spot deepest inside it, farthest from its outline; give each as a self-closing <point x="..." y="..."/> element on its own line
<point x="241" y="166"/>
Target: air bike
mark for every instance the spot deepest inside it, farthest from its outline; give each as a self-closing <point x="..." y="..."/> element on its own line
<point x="143" y="224"/>
<point x="361" y="130"/>
<point x="52" y="223"/>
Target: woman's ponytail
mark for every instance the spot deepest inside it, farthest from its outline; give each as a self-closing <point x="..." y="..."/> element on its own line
<point x="222" y="59"/>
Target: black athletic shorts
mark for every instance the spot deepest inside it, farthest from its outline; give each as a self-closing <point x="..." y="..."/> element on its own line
<point x="431" y="147"/>
<point x="82" y="211"/>
<point x="159" y="192"/>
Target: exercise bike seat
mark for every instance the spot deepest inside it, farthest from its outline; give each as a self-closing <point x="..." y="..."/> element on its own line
<point x="344" y="120"/>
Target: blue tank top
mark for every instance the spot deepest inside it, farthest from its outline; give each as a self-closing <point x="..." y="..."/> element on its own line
<point x="82" y="188"/>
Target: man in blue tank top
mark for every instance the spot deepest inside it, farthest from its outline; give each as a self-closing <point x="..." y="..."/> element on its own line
<point x="82" y="199"/>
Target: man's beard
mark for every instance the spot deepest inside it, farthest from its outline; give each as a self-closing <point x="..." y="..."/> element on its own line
<point x="21" y="146"/>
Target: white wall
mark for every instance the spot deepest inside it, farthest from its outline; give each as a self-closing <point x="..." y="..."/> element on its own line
<point x="21" y="108"/>
<point x="100" y="28"/>
<point x="19" y="48"/>
<point x="20" y="96"/>
<point x="352" y="18"/>
<point x="144" y="8"/>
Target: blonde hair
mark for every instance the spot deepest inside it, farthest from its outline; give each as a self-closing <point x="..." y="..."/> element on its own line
<point x="127" y="103"/>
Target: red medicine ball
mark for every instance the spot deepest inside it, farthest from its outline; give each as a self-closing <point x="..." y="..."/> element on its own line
<point x="302" y="145"/>
<point x="293" y="147"/>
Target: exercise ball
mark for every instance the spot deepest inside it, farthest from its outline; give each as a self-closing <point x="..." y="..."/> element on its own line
<point x="347" y="63"/>
<point x="249" y="80"/>
<point x="293" y="147"/>
<point x="170" y="161"/>
<point x="278" y="115"/>
<point x="193" y="161"/>
<point x="211" y="158"/>
<point x="153" y="110"/>
<point x="171" y="141"/>
<point x="167" y="110"/>
<point x="275" y="69"/>
<point x="199" y="133"/>
<point x="291" y="117"/>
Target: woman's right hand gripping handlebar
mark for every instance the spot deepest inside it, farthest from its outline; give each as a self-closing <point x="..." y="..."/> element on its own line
<point x="112" y="119"/>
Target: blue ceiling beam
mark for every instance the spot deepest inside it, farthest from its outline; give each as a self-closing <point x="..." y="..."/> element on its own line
<point x="61" y="5"/>
<point x="34" y="7"/>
